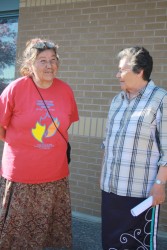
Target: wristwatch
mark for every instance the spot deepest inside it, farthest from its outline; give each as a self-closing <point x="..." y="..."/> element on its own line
<point x="159" y="182"/>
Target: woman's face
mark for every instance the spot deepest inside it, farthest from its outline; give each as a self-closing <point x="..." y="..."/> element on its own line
<point x="45" y="67"/>
<point x="129" y="81"/>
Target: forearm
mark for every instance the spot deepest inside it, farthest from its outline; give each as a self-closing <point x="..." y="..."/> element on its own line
<point x="162" y="174"/>
<point x="158" y="189"/>
<point x="2" y="133"/>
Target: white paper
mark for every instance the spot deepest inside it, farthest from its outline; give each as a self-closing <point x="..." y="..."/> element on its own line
<point x="141" y="207"/>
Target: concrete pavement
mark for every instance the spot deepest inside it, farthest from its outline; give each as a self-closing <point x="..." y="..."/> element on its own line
<point x="87" y="235"/>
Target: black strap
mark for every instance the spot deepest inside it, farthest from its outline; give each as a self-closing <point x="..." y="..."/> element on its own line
<point x="49" y="111"/>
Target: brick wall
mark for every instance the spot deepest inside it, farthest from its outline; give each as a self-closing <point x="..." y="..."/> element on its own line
<point x="90" y="34"/>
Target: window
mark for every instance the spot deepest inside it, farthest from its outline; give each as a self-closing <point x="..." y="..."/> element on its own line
<point x="8" y="39"/>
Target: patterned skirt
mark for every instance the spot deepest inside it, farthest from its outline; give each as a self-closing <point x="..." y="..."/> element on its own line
<point x="35" y="216"/>
<point x="122" y="231"/>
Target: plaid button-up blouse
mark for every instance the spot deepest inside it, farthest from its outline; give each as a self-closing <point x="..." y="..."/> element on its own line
<point x="136" y="142"/>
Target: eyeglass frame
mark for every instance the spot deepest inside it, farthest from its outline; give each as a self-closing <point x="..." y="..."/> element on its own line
<point x="120" y="71"/>
<point x="52" y="62"/>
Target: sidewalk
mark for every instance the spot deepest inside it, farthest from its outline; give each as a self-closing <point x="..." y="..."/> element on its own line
<point x="87" y="235"/>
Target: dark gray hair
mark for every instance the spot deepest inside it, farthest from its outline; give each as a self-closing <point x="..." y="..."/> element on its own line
<point x="138" y="59"/>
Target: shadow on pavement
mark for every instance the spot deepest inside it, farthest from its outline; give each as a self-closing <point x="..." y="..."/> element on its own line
<point x="87" y="236"/>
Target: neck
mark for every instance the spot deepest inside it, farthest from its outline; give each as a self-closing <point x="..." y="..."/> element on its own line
<point x="43" y="85"/>
<point x="136" y="92"/>
<point x="132" y="95"/>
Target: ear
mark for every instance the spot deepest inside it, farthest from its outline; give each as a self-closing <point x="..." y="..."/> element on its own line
<point x="140" y="74"/>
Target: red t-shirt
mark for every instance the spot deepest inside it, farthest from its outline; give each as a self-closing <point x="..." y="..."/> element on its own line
<point x="34" y="151"/>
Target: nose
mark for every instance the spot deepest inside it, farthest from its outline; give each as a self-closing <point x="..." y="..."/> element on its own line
<point x="118" y="74"/>
<point x="48" y="63"/>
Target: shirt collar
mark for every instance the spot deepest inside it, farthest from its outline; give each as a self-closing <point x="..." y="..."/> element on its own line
<point x="144" y="92"/>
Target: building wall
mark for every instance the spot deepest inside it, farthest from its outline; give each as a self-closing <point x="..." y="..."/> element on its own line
<point x="90" y="33"/>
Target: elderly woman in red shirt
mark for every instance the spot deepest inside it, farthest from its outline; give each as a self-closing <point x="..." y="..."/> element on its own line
<point x="36" y="111"/>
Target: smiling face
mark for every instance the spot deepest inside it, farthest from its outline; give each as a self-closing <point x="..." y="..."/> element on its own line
<point x="45" y="68"/>
<point x="130" y="82"/>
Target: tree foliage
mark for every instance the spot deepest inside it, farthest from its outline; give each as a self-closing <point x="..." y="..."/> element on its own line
<point x="7" y="45"/>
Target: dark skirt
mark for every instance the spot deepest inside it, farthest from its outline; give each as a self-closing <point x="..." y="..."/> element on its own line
<point x="35" y="216"/>
<point x="121" y="230"/>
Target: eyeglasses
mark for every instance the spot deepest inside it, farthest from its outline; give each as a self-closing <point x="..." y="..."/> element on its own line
<point x="45" y="45"/>
<point x="120" y="71"/>
<point x="51" y="62"/>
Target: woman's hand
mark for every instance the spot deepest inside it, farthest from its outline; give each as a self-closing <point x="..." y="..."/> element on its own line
<point x="158" y="193"/>
<point x="158" y="190"/>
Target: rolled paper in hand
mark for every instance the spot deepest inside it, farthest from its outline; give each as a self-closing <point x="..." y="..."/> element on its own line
<point x="141" y="207"/>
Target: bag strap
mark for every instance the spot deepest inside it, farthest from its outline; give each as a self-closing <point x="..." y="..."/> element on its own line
<point x="49" y="112"/>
